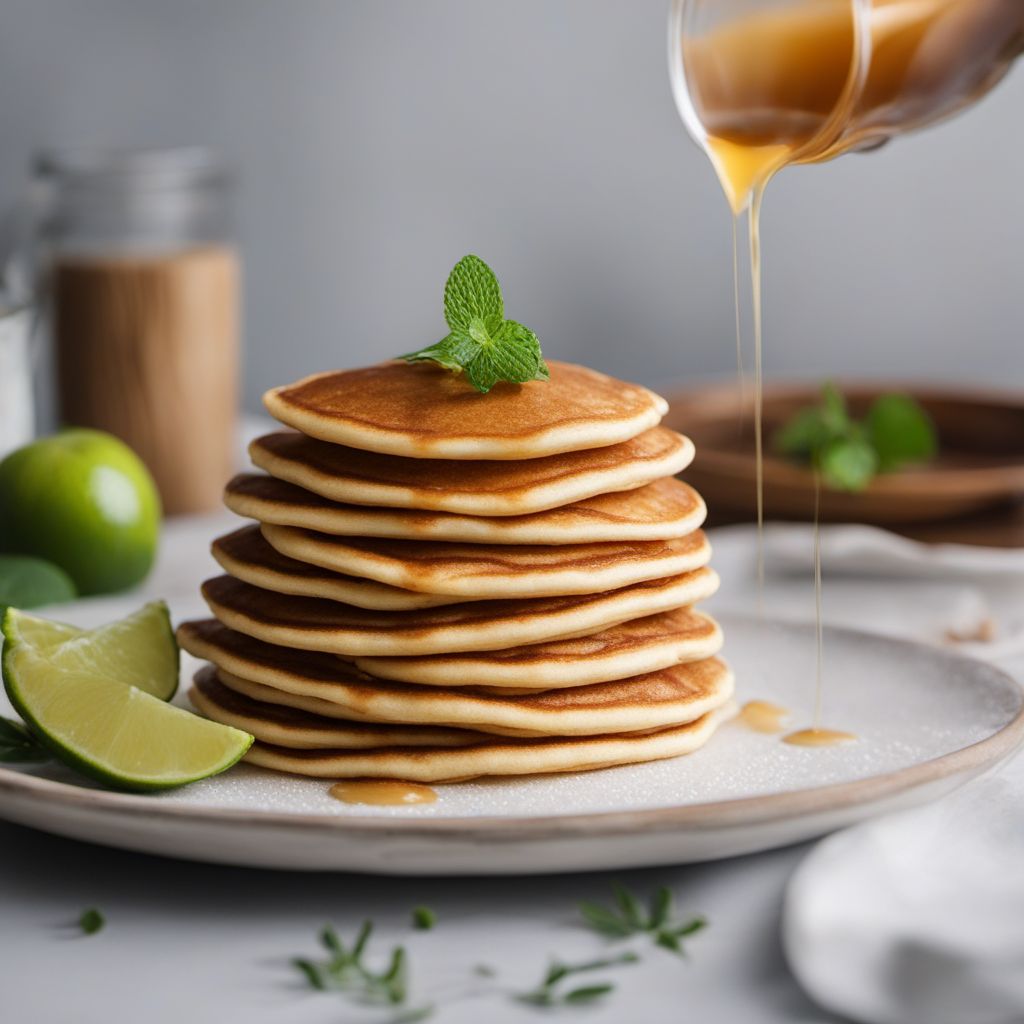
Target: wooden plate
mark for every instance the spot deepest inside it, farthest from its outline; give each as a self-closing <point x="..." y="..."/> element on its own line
<point x="980" y="467"/>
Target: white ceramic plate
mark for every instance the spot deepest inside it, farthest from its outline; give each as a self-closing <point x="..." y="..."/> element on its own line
<point x="927" y="719"/>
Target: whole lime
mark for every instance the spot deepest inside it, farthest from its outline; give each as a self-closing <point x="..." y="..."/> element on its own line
<point x="83" y="500"/>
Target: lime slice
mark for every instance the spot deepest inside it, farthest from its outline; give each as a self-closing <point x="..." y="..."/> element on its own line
<point x="139" y="650"/>
<point x="85" y="694"/>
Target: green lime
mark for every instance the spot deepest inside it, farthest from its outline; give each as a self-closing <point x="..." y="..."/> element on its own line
<point x="139" y="650"/>
<point x="28" y="582"/>
<point x="83" y="500"/>
<point x="95" y="698"/>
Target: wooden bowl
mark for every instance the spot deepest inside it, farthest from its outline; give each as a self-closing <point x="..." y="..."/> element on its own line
<point x="980" y="466"/>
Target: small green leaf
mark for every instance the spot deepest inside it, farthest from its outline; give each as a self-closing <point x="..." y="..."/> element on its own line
<point x="18" y="745"/>
<point x="588" y="993"/>
<point x="472" y="293"/>
<point x="361" y="940"/>
<point x="803" y="434"/>
<point x="91" y="921"/>
<point x="394" y="979"/>
<point x="423" y="918"/>
<point x="691" y="927"/>
<point x="629" y="905"/>
<point x="312" y="973"/>
<point x="668" y="940"/>
<point x="330" y="941"/>
<point x="833" y="409"/>
<point x="848" y="465"/>
<point x="484" y="971"/>
<point x="900" y="431"/>
<point x="604" y="920"/>
<point x="661" y="908"/>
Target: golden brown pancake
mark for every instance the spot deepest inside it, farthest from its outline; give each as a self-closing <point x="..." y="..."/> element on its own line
<point x="490" y="571"/>
<point x="315" y="624"/>
<point x="328" y="687"/>
<point x="484" y="488"/>
<point x="506" y="757"/>
<point x="422" y="411"/>
<point x="632" y="648"/>
<point x="246" y="555"/>
<point x="658" y="511"/>
<point x="290" y="727"/>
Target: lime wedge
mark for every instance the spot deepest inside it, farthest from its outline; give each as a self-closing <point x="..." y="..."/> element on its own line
<point x="96" y="699"/>
<point x="139" y="650"/>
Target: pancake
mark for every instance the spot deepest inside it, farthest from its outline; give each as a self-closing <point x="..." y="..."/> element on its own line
<point x="506" y="757"/>
<point x="316" y="624"/>
<point x="491" y="571"/>
<point x="246" y="555"/>
<point x="658" y="511"/>
<point x="484" y="488"/>
<point x="629" y="649"/>
<point x="290" y="727"/>
<point x="328" y="687"/>
<point x="422" y="411"/>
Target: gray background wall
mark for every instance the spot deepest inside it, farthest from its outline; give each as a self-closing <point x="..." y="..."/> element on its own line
<point x="379" y="140"/>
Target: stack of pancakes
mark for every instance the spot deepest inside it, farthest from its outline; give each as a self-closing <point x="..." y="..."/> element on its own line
<point x="443" y="584"/>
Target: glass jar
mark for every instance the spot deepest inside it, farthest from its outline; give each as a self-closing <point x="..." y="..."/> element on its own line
<point x="139" y="279"/>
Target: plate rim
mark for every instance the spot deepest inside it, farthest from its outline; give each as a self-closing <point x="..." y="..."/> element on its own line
<point x="708" y="816"/>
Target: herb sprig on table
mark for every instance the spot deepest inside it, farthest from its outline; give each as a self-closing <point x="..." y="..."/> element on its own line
<point x="551" y="992"/>
<point x="346" y="972"/>
<point x="629" y="917"/>
<point x="481" y="343"/>
<point x="849" y="453"/>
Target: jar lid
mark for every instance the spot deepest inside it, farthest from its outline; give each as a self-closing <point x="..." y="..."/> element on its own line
<point x="142" y="169"/>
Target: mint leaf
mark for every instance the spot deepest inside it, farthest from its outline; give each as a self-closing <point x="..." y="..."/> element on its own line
<point x="472" y="293"/>
<point x="848" y="464"/>
<point x="833" y="409"/>
<point x="482" y="343"/>
<point x="802" y="435"/>
<point x="900" y="431"/>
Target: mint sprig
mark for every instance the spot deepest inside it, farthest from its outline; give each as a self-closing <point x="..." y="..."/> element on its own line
<point x="849" y="453"/>
<point x="481" y="343"/>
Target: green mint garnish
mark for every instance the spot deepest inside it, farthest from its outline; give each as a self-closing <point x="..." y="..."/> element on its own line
<point x="423" y="918"/>
<point x="849" y="453"/>
<point x="91" y="921"/>
<point x="481" y="343"/>
<point x="629" y="917"/>
<point x="18" y="745"/>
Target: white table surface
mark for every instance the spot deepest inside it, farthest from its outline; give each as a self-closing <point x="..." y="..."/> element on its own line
<point x="200" y="944"/>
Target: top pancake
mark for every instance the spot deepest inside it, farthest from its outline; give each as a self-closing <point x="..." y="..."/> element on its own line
<point x="422" y="411"/>
<point x="481" y="488"/>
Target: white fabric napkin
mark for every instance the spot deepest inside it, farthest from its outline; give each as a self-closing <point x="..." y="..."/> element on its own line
<point x="916" y="917"/>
